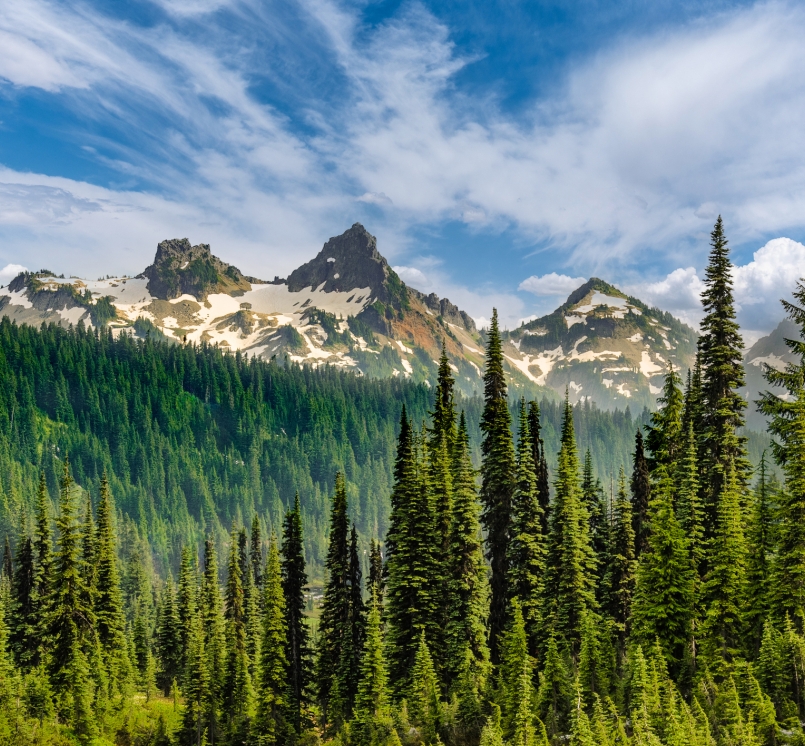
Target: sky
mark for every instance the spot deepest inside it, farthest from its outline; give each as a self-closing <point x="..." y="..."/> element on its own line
<point x="501" y="151"/>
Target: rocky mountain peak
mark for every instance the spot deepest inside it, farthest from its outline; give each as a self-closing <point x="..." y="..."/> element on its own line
<point x="180" y="268"/>
<point x="348" y="262"/>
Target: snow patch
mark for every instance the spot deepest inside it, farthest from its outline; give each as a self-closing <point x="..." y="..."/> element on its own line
<point x="570" y="320"/>
<point x="607" y="382"/>
<point x="636" y="337"/>
<point x="623" y="391"/>
<point x="331" y="259"/>
<point x="773" y="361"/>
<point x="647" y="366"/>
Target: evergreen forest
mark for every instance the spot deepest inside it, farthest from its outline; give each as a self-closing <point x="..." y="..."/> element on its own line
<point x="205" y="548"/>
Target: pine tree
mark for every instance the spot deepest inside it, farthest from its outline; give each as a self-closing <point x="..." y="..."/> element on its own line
<point x="335" y="609"/>
<point x="497" y="480"/>
<point x="665" y="437"/>
<point x="44" y="573"/>
<point x="412" y="602"/>
<point x="371" y="702"/>
<point x="193" y="730"/>
<point x="788" y="425"/>
<point x="111" y="622"/>
<point x="721" y="348"/>
<point x="168" y="640"/>
<point x="23" y="617"/>
<point x="8" y="562"/>
<point x="514" y="659"/>
<point x="570" y="570"/>
<point x="351" y="654"/>
<point x="187" y="599"/>
<point x="526" y="561"/>
<point x="237" y="691"/>
<point x="256" y="553"/>
<point x="663" y="594"/>
<point x="294" y="582"/>
<point x="689" y="505"/>
<point x="594" y="502"/>
<point x="724" y="587"/>
<point x="621" y="571"/>
<point x="467" y="583"/>
<point x="212" y="616"/>
<point x="272" y="701"/>
<point x="71" y="623"/>
<point x="540" y="464"/>
<point x="641" y="496"/>
<point x="554" y="695"/>
<point x="376" y="583"/>
<point x="758" y="560"/>
<point x="424" y="704"/>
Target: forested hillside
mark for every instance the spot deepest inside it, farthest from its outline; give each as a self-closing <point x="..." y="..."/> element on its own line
<point x="164" y="598"/>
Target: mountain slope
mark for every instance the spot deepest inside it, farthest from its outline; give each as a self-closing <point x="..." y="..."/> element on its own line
<point x="347" y="307"/>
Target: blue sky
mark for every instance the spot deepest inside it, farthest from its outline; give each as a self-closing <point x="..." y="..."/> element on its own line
<point x="500" y="151"/>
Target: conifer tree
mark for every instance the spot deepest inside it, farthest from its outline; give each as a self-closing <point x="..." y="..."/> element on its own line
<point x="497" y="480"/>
<point x="595" y="662"/>
<point x="554" y="695"/>
<point x="71" y="622"/>
<point x="758" y="560"/>
<point x="622" y="567"/>
<point x="570" y="570"/>
<point x="724" y="587"/>
<point x="272" y="700"/>
<point x="721" y="348"/>
<point x="788" y="425"/>
<point x="44" y="572"/>
<point x="665" y="437"/>
<point x="111" y="622"/>
<point x="193" y="731"/>
<point x="424" y="700"/>
<point x="540" y="464"/>
<point x="23" y="617"/>
<point x="8" y="561"/>
<point x="690" y="511"/>
<point x="641" y="496"/>
<point x="256" y="553"/>
<point x="466" y="572"/>
<point x="351" y="654"/>
<point x="187" y="599"/>
<point x="514" y="659"/>
<point x="335" y="609"/>
<point x="294" y="582"/>
<point x="412" y="602"/>
<point x="168" y="640"/>
<point x="526" y="561"/>
<point x="371" y="702"/>
<point x="663" y="594"/>
<point x="376" y="583"/>
<point x="237" y="690"/>
<point x="211" y="609"/>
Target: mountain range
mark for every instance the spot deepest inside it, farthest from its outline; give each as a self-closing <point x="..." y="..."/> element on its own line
<point x="348" y="308"/>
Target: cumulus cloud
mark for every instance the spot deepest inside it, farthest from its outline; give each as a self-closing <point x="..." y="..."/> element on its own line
<point x="414" y="277"/>
<point x="551" y="284"/>
<point x="9" y="272"/>
<point x="375" y="198"/>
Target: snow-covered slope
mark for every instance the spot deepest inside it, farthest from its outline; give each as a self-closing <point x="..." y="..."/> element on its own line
<point x="348" y="308"/>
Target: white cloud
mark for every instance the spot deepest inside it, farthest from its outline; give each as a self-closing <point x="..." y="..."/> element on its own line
<point x="414" y="277"/>
<point x="375" y="198"/>
<point x="551" y="284"/>
<point x="9" y="272"/>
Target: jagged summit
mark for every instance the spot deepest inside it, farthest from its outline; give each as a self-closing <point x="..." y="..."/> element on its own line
<point x="181" y="269"/>
<point x="351" y="261"/>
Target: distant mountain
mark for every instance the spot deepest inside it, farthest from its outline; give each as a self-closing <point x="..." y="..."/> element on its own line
<point x="347" y="307"/>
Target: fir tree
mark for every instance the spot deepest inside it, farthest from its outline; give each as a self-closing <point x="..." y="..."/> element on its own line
<point x="211" y="610"/>
<point x="721" y="348"/>
<point x="788" y="425"/>
<point x="187" y="599"/>
<point x="641" y="496"/>
<point x="111" y="623"/>
<point x="554" y="695"/>
<point x="237" y="691"/>
<point x="497" y="480"/>
<point x="467" y="583"/>
<point x="351" y="654"/>
<point x="168" y="640"/>
<point x="570" y="570"/>
<point x="665" y="437"/>
<point x="621" y="570"/>
<point x="526" y="561"/>
<point x="44" y="573"/>
<point x="514" y="660"/>
<point x="23" y="618"/>
<point x="663" y="594"/>
<point x="272" y="701"/>
<point x="8" y="561"/>
<point x="294" y="582"/>
<point x="540" y="464"/>
<point x="193" y="730"/>
<point x="256" y="553"/>
<point x="335" y="610"/>
<point x="424" y="701"/>
<point x="376" y="583"/>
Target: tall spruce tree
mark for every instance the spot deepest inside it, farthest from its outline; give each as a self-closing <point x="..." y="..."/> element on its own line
<point x="335" y="609"/>
<point x="721" y="348"/>
<point x="466" y="572"/>
<point x="187" y="599"/>
<point x="271" y="722"/>
<point x="526" y="561"/>
<point x="663" y="600"/>
<point x="256" y="553"/>
<point x="376" y="583"/>
<point x="571" y="567"/>
<point x="193" y="730"/>
<point x="294" y="583"/>
<point x="540" y="464"/>
<point x="787" y="417"/>
<point x="237" y="692"/>
<point x="665" y="438"/>
<point x="44" y="572"/>
<point x="111" y="620"/>
<point x="620" y="577"/>
<point x="412" y="603"/>
<point x="497" y="480"/>
<point x="23" y="618"/>
<point x="641" y="496"/>
<point x="351" y="655"/>
<point x="168" y="640"/>
<point x="212" y="616"/>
